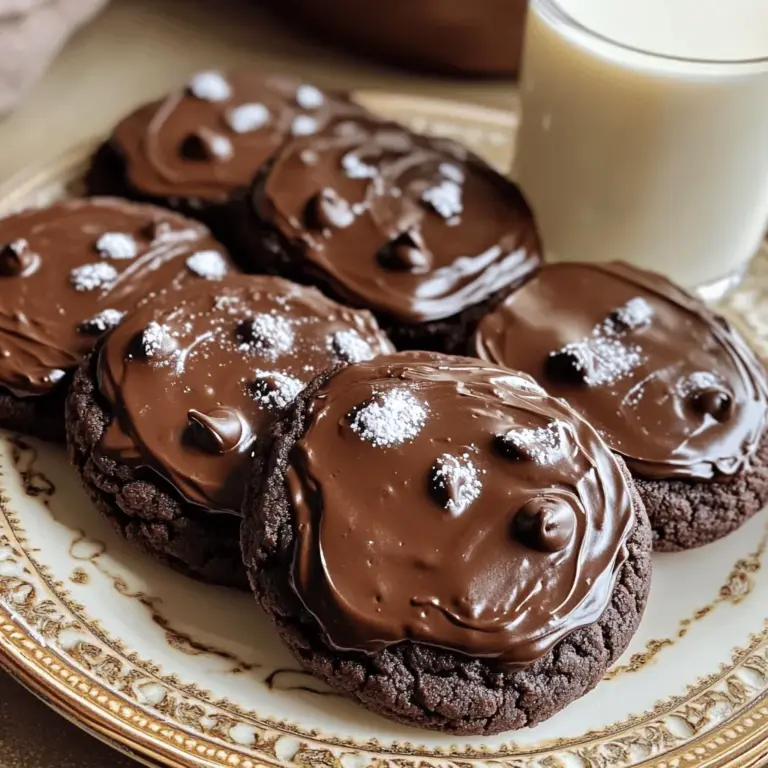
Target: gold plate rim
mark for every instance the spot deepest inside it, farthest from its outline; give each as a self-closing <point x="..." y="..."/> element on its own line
<point x="741" y="742"/>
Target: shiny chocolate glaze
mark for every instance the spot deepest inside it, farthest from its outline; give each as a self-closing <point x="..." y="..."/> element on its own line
<point x="69" y="272"/>
<point x="451" y="502"/>
<point x="192" y="380"/>
<point x="210" y="137"/>
<point x="671" y="386"/>
<point x="417" y="229"/>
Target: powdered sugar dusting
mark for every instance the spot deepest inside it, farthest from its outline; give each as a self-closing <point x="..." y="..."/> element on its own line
<point x="89" y="277"/>
<point x="698" y="382"/>
<point x="452" y="172"/>
<point x="55" y="375"/>
<point x="157" y="343"/>
<point x="304" y="125"/>
<point x="309" y="97"/>
<point x="456" y="482"/>
<point x="219" y="147"/>
<point x="208" y="264"/>
<point x="355" y="168"/>
<point x="268" y="335"/>
<point x="308" y="156"/>
<point x="445" y="198"/>
<point x="600" y="360"/>
<point x="275" y="390"/>
<point x="104" y="321"/>
<point x="247" y="117"/>
<point x="349" y="346"/>
<point x="389" y="419"/>
<point x="210" y="86"/>
<point x="636" y="313"/>
<point x="117" y="245"/>
<point x="543" y="445"/>
<point x="605" y="357"/>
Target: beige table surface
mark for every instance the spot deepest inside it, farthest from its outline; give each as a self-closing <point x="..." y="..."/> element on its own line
<point x="133" y="52"/>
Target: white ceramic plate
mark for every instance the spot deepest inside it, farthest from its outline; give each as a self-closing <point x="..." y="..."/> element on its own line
<point x="181" y="674"/>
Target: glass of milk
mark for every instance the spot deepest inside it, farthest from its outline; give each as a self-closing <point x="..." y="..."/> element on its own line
<point x="644" y="134"/>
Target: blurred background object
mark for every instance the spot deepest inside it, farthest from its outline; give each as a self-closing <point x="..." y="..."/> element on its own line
<point x="467" y="37"/>
<point x="31" y="34"/>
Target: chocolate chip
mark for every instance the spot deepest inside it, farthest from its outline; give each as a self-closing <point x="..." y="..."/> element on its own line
<point x="514" y="449"/>
<point x="205" y="144"/>
<point x="16" y="259"/>
<point x="571" y="364"/>
<point x="544" y="524"/>
<point x="406" y="253"/>
<point x="714" y="402"/>
<point x="327" y="210"/>
<point x="218" y="431"/>
<point x="707" y="393"/>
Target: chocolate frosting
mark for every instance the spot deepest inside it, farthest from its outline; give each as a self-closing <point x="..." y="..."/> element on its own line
<point x="192" y="379"/>
<point x="415" y="228"/>
<point x="671" y="386"/>
<point x="447" y="501"/>
<point x="211" y="137"/>
<point x="70" y="271"/>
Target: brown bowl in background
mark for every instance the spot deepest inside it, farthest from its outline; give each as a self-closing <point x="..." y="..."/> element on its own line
<point x="467" y="37"/>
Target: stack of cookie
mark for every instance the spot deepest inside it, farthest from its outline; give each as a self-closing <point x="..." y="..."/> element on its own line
<point x="457" y="542"/>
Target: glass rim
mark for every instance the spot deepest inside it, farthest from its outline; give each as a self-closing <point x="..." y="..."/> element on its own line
<point x="557" y="13"/>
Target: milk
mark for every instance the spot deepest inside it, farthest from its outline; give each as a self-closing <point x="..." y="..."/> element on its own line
<point x="644" y="134"/>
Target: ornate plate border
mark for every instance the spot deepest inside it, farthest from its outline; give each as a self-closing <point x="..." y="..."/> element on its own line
<point x="736" y="736"/>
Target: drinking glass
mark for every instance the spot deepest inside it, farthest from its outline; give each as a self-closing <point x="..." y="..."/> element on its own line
<point x="635" y="155"/>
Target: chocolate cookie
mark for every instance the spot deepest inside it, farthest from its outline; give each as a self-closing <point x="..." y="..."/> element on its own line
<point x="197" y="150"/>
<point x="446" y="544"/>
<point x="68" y="273"/>
<point x="671" y="387"/>
<point x="416" y="229"/>
<point x="165" y="419"/>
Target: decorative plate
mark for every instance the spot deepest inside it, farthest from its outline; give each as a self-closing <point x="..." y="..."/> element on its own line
<point x="180" y="674"/>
